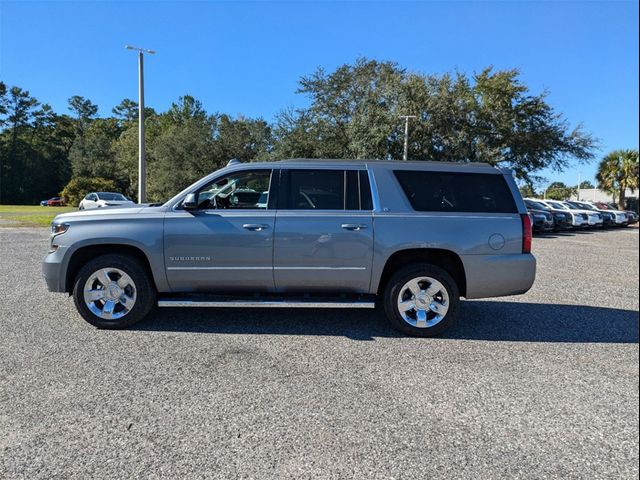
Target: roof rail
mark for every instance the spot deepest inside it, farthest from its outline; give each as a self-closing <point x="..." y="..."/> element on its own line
<point x="233" y="161"/>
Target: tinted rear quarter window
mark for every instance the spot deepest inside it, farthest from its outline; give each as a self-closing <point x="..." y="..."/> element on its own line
<point x="456" y="192"/>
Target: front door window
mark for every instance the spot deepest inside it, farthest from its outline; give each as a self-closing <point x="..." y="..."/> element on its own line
<point x="240" y="190"/>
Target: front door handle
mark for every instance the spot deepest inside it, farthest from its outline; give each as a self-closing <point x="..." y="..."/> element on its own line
<point x="354" y="226"/>
<point x="255" y="227"/>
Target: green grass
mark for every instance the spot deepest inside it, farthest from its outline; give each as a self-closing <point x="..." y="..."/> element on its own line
<point x="30" y="215"/>
<point x="34" y="209"/>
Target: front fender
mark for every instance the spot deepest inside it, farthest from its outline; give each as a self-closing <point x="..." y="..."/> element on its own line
<point x="142" y="232"/>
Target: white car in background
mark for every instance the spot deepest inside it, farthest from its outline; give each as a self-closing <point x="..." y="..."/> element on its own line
<point x="619" y="218"/>
<point x="104" y="199"/>
<point x="577" y="219"/>
<point x="595" y="218"/>
<point x="591" y="218"/>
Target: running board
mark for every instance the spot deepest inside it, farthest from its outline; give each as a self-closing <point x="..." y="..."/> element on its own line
<point x="266" y="303"/>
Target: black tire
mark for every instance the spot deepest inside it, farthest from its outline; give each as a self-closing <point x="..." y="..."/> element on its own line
<point x="393" y="291"/>
<point x="145" y="292"/>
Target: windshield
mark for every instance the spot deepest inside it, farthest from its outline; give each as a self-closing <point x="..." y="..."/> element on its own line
<point x="111" y="196"/>
<point x="573" y="207"/>
<point x="558" y="205"/>
<point x="583" y="206"/>
<point x="538" y="205"/>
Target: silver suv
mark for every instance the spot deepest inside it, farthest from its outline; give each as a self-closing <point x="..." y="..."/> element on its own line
<point x="415" y="236"/>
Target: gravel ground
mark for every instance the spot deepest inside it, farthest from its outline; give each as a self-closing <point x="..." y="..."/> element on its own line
<point x="543" y="385"/>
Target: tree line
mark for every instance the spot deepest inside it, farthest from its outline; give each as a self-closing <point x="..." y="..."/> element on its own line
<point x="353" y="112"/>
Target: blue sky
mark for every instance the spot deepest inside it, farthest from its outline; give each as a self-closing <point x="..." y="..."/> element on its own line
<point x="246" y="57"/>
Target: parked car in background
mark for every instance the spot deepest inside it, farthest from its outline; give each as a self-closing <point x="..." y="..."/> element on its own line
<point x="610" y="217"/>
<point x="541" y="221"/>
<point x="594" y="219"/>
<point x="561" y="219"/>
<point x="632" y="217"/>
<point x="578" y="220"/>
<point x="43" y="203"/>
<point x="104" y="199"/>
<point x="55" y="202"/>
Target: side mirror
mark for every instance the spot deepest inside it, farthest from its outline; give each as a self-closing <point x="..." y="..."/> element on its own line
<point x="190" y="202"/>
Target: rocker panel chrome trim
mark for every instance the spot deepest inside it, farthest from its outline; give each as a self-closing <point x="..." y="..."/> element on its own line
<point x="264" y="304"/>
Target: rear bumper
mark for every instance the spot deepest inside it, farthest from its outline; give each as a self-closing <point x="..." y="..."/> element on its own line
<point x="498" y="275"/>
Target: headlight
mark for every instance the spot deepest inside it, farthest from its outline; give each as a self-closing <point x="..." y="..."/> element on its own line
<point x="59" y="228"/>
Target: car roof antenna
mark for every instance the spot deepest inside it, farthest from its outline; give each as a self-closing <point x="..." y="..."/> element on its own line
<point x="233" y="161"/>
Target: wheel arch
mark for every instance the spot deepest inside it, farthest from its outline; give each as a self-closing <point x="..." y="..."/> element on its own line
<point x="445" y="259"/>
<point x="83" y="254"/>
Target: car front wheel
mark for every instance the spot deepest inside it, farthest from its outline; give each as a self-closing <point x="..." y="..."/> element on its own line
<point x="421" y="300"/>
<point x="113" y="291"/>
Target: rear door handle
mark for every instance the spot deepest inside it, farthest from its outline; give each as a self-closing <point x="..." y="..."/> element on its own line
<point x="255" y="227"/>
<point x="354" y="226"/>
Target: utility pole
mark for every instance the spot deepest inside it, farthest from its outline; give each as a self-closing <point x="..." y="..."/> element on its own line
<point x="406" y="118"/>
<point x="579" y="182"/>
<point x="142" y="165"/>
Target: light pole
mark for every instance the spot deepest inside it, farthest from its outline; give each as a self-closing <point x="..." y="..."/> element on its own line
<point x="406" y="135"/>
<point x="579" y="182"/>
<point x="142" y="167"/>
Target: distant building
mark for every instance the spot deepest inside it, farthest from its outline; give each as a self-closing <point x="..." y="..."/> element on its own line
<point x="597" y="195"/>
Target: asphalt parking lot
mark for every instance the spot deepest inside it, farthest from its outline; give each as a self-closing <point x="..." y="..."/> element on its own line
<point x="543" y="385"/>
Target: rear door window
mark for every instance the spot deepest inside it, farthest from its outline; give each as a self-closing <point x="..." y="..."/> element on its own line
<point x="456" y="192"/>
<point x="328" y="190"/>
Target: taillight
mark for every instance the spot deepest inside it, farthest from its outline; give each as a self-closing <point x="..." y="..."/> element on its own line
<point x="527" y="233"/>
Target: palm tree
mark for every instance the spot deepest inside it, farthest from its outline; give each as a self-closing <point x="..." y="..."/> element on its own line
<point x="617" y="172"/>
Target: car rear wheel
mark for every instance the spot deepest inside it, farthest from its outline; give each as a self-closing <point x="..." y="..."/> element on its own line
<point x="113" y="291"/>
<point x="421" y="300"/>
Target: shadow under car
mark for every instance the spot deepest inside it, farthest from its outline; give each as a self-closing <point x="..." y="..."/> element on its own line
<point x="477" y="320"/>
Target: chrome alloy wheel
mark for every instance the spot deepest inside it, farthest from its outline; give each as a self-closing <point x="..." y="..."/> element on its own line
<point x="423" y="302"/>
<point x="109" y="293"/>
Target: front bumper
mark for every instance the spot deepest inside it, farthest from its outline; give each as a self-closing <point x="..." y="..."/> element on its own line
<point x="542" y="225"/>
<point x="561" y="223"/>
<point x="54" y="270"/>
